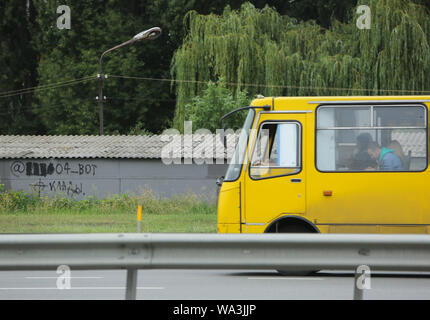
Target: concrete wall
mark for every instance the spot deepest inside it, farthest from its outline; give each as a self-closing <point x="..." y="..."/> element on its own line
<point x="79" y="178"/>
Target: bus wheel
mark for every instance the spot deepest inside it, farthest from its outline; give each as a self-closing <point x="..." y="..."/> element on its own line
<point x="291" y="225"/>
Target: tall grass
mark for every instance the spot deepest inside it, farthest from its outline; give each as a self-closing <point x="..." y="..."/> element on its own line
<point x="16" y="202"/>
<point x="21" y="212"/>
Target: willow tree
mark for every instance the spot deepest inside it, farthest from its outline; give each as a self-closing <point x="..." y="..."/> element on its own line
<point x="266" y="53"/>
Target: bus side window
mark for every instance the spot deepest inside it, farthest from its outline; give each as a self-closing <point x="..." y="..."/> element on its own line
<point x="397" y="135"/>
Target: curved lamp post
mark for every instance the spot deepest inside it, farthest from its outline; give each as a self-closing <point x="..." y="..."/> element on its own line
<point x="149" y="34"/>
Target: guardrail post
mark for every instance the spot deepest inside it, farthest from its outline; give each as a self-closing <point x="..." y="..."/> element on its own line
<point x="130" y="293"/>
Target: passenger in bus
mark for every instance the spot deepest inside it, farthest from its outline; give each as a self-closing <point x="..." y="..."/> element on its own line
<point x="363" y="140"/>
<point x="361" y="159"/>
<point x="386" y="158"/>
<point x="398" y="151"/>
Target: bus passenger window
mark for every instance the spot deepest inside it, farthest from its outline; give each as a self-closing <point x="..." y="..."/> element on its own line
<point x="371" y="138"/>
<point x="276" y="151"/>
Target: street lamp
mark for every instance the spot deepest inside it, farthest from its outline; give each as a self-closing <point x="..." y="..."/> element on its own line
<point x="149" y="34"/>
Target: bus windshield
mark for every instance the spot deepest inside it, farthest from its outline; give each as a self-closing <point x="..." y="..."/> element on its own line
<point x="233" y="171"/>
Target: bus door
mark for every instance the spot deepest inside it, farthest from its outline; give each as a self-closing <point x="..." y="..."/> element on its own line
<point x="275" y="177"/>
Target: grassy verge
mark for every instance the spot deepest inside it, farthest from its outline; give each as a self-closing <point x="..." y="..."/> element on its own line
<point x="23" y="213"/>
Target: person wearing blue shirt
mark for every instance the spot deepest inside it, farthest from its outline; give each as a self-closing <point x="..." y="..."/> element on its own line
<point x="386" y="158"/>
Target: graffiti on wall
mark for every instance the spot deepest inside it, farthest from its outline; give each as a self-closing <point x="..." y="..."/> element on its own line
<point x="65" y="187"/>
<point x="54" y="177"/>
<point x="42" y="169"/>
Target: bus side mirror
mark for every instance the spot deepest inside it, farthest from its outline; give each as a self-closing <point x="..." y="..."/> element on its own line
<point x="219" y="181"/>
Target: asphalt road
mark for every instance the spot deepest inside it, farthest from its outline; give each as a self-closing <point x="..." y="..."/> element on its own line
<point x="211" y="285"/>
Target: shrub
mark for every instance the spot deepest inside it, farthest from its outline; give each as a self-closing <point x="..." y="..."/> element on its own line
<point x="206" y="110"/>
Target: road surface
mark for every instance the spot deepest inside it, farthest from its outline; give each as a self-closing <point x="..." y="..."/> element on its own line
<point x="211" y="285"/>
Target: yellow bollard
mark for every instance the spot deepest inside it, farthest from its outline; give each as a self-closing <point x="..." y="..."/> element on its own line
<point x="139" y="217"/>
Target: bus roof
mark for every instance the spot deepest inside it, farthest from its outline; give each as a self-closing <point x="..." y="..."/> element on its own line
<point x="310" y="103"/>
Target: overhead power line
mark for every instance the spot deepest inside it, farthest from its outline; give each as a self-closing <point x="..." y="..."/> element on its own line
<point x="45" y="87"/>
<point x="73" y="82"/>
<point x="269" y="85"/>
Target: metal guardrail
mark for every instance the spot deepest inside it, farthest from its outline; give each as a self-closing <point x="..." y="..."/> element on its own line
<point x="214" y="251"/>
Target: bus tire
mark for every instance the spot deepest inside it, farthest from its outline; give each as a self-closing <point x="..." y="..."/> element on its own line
<point x="293" y="225"/>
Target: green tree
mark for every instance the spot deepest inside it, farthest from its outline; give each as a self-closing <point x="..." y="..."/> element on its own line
<point x="34" y="52"/>
<point x="144" y="98"/>
<point x="216" y="100"/>
<point x="74" y="54"/>
<point x="270" y="54"/>
<point x="140" y="95"/>
<point x="18" y="63"/>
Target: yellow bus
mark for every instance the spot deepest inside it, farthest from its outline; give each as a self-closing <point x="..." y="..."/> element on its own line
<point x="329" y="165"/>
